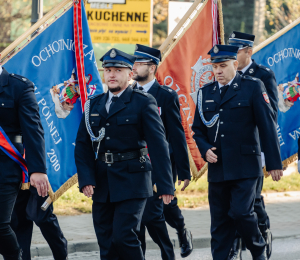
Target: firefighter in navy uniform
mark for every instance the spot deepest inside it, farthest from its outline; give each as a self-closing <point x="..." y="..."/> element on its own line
<point x="231" y="114"/>
<point x="156" y="213"/>
<point x="119" y="180"/>
<point x="20" y="121"/>
<point x="249" y="67"/>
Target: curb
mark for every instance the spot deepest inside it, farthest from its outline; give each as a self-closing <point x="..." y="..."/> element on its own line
<point x="92" y="245"/>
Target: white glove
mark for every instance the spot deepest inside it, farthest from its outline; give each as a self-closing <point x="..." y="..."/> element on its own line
<point x="299" y="166"/>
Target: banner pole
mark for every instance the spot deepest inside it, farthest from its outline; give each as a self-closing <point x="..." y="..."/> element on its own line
<point x="182" y="21"/>
<point x="33" y="28"/>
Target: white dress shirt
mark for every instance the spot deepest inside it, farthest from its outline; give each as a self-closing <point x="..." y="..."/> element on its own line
<point x="247" y="67"/>
<point x="147" y="86"/>
<point x="1" y="69"/>
<point x="110" y="95"/>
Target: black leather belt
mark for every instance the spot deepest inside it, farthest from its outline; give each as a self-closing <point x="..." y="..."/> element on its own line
<point x="17" y="139"/>
<point x="115" y="157"/>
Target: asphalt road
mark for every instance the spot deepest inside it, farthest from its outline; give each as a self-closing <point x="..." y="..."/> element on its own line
<point x="283" y="249"/>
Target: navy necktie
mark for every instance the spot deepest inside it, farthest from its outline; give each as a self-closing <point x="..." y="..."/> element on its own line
<point x="113" y="101"/>
<point x="240" y="72"/>
<point x="223" y="90"/>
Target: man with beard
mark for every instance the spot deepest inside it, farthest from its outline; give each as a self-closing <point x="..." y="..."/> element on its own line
<point x="248" y="66"/>
<point x="156" y="213"/>
<point x="116" y="173"/>
<point x="231" y="114"/>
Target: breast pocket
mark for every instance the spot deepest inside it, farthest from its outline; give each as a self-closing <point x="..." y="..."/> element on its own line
<point x="239" y="110"/>
<point x="95" y="124"/>
<point x="209" y="110"/>
<point x="127" y="126"/>
<point x="7" y="103"/>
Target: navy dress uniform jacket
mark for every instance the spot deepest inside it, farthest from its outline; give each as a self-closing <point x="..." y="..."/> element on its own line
<point x="132" y="123"/>
<point x="243" y="111"/>
<point x="19" y="115"/>
<point x="267" y="76"/>
<point x="168" y="104"/>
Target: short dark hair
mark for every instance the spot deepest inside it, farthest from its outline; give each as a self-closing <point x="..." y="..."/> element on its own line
<point x="153" y="63"/>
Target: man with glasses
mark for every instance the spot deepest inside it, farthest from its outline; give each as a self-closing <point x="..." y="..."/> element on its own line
<point x="156" y="213"/>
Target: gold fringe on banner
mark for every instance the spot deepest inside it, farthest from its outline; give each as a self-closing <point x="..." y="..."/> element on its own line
<point x="285" y="164"/>
<point x="220" y="12"/>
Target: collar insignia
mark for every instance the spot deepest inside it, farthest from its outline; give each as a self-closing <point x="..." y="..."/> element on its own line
<point x="251" y="71"/>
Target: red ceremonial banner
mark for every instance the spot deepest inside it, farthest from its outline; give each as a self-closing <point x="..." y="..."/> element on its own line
<point x="186" y="67"/>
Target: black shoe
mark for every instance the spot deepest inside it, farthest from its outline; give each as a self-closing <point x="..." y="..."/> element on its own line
<point x="236" y="250"/>
<point x="185" y="242"/>
<point x="263" y="256"/>
<point x="268" y="238"/>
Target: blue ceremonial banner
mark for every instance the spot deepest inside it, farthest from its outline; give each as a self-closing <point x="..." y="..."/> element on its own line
<point x="282" y="55"/>
<point x="48" y="60"/>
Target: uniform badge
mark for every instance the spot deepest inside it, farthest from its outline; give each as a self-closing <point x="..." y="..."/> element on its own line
<point x="235" y="85"/>
<point x="215" y="88"/>
<point x="232" y="35"/>
<point x="266" y="97"/>
<point x="209" y="101"/>
<point x="251" y="71"/>
<point x="24" y="79"/>
<point x="216" y="49"/>
<point x="159" y="110"/>
<point x="113" y="54"/>
<point x="136" y="47"/>
<point x="267" y="69"/>
<point x="170" y="90"/>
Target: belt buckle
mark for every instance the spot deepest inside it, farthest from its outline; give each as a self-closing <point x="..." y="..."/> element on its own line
<point x="109" y="158"/>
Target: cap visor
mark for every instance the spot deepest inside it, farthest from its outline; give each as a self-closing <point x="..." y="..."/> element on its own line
<point x="221" y="60"/>
<point x="116" y="65"/>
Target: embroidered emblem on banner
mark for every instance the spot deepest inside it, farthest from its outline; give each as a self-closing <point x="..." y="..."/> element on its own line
<point x="266" y="97"/>
<point x="202" y="74"/>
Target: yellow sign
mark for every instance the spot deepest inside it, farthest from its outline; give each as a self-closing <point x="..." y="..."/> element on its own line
<point x="121" y="23"/>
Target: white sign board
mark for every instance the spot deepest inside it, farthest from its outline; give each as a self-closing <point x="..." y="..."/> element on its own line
<point x="176" y="11"/>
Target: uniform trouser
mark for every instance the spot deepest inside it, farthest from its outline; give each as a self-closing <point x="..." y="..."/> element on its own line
<point x="116" y="225"/>
<point x="28" y="210"/>
<point x="154" y="220"/>
<point x="259" y="208"/>
<point x="172" y="212"/>
<point x="9" y="246"/>
<point x="173" y="215"/>
<point x="259" y="205"/>
<point x="232" y="208"/>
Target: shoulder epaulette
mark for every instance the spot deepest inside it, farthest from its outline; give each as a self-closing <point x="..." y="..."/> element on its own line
<point x="166" y="88"/>
<point x="250" y="78"/>
<point x="207" y="84"/>
<point x="140" y="92"/>
<point x="265" y="68"/>
<point x="21" y="78"/>
<point x="92" y="97"/>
